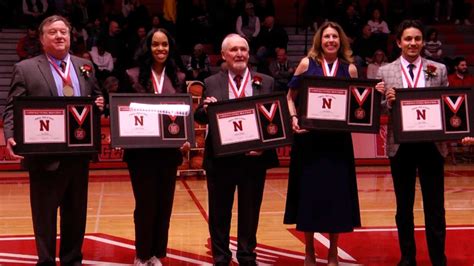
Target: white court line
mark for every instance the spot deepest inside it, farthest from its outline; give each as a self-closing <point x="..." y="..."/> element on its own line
<point x="128" y="246"/>
<point x="341" y="253"/>
<point x="17" y="261"/>
<point x="99" y="208"/>
<point x="460" y="228"/>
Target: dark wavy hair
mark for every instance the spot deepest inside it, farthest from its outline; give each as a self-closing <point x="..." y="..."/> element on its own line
<point x="408" y="23"/>
<point x="147" y="59"/>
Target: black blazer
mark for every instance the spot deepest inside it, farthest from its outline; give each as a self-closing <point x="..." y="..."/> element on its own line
<point x="217" y="86"/>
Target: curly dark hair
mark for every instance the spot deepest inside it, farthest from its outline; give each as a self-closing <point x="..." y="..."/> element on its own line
<point x="146" y="61"/>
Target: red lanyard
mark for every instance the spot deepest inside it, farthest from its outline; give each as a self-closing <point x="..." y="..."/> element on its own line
<point x="408" y="80"/>
<point x="239" y="92"/>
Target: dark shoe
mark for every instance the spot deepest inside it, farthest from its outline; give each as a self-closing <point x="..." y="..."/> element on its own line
<point x="407" y="262"/>
<point x="248" y="263"/>
<point x="221" y="264"/>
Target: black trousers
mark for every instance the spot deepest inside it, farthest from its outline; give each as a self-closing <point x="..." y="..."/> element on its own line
<point x="153" y="188"/>
<point x="425" y="158"/>
<point x="221" y="185"/>
<point x="66" y="188"/>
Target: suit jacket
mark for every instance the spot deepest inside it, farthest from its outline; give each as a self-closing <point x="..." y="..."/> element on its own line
<point x="217" y="86"/>
<point x="392" y="76"/>
<point x="33" y="77"/>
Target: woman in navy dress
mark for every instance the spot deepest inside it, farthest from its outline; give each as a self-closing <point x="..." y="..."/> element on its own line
<point x="322" y="188"/>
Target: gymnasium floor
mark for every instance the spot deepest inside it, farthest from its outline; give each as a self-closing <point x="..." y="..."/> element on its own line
<point x="110" y="230"/>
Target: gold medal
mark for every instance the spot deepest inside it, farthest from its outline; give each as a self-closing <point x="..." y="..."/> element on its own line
<point x="79" y="133"/>
<point x="173" y="129"/>
<point x="359" y="113"/>
<point x="272" y="129"/>
<point x="68" y="91"/>
<point x="455" y="121"/>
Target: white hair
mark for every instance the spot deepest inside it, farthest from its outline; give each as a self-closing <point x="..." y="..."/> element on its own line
<point x="228" y="38"/>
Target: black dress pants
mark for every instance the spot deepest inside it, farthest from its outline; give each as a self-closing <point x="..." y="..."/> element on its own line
<point x="66" y="188"/>
<point x="153" y="189"/>
<point x="425" y="158"/>
<point x="221" y="185"/>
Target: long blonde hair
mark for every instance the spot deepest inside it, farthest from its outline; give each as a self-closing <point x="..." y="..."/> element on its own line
<point x="344" y="52"/>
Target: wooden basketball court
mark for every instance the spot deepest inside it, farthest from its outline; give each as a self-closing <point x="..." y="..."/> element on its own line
<point x="110" y="230"/>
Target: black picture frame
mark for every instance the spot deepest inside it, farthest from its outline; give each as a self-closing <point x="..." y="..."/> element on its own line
<point x="173" y="131"/>
<point x="272" y="133"/>
<point x="56" y="125"/>
<point x="453" y="125"/>
<point x="351" y="116"/>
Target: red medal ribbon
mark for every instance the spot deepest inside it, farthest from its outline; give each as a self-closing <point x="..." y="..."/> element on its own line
<point x="333" y="71"/>
<point x="360" y="98"/>
<point x="80" y="117"/>
<point x="408" y="80"/>
<point x="239" y="92"/>
<point x="65" y="76"/>
<point x="454" y="106"/>
<point x="268" y="114"/>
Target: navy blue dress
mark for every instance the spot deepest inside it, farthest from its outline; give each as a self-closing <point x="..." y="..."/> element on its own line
<point x="322" y="187"/>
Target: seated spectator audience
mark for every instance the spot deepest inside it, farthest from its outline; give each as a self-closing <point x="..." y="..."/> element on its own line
<point x="281" y="70"/>
<point x="29" y="46"/>
<point x="460" y="77"/>
<point x="379" y="29"/>
<point x="137" y="15"/>
<point x="432" y="48"/>
<point x="198" y="67"/>
<point x="80" y="12"/>
<point x="264" y="8"/>
<point x="351" y="23"/>
<point x="271" y="36"/>
<point x="448" y="8"/>
<point x="34" y="11"/>
<point x="364" y="47"/>
<point x="139" y="45"/>
<point x="79" y="38"/>
<point x="103" y="60"/>
<point x="248" y="25"/>
<point x="379" y="59"/>
<point x="95" y="30"/>
<point x="461" y="11"/>
<point x="115" y="44"/>
<point x="371" y="5"/>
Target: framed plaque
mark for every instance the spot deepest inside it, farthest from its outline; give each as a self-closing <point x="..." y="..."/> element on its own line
<point x="432" y="114"/>
<point x="250" y="123"/>
<point x="339" y="104"/>
<point x="56" y="125"/>
<point x="145" y="127"/>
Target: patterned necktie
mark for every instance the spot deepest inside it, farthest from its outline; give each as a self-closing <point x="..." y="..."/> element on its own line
<point x="410" y="71"/>
<point x="62" y="65"/>
<point x="238" y="81"/>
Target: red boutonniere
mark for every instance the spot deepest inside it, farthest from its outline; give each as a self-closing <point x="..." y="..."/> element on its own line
<point x="86" y="70"/>
<point x="256" y="82"/>
<point x="430" y="71"/>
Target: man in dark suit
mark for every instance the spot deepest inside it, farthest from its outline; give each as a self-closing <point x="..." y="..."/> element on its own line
<point x="246" y="172"/>
<point x="410" y="70"/>
<point x="55" y="181"/>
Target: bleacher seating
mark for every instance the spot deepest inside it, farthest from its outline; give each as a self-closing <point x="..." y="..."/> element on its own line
<point x="8" y="57"/>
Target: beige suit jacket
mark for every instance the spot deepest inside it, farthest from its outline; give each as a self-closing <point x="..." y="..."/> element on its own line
<point x="392" y="76"/>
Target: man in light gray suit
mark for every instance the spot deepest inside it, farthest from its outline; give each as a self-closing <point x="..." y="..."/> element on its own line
<point x="55" y="181"/>
<point x="409" y="71"/>
<point x="246" y="172"/>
